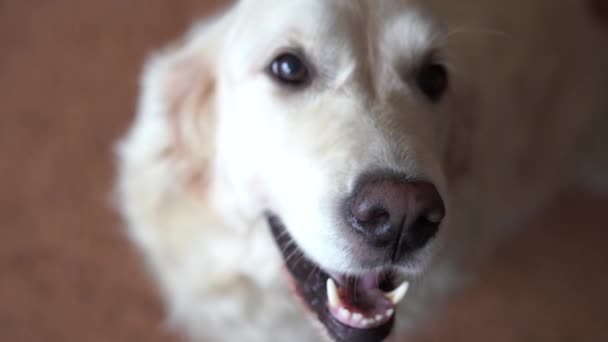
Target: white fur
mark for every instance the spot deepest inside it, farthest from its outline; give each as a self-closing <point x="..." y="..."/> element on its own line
<point x="216" y="143"/>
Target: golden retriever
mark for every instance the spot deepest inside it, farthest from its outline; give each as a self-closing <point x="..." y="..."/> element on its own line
<point x="361" y="155"/>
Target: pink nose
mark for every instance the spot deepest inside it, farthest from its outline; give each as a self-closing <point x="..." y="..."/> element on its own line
<point x="390" y="210"/>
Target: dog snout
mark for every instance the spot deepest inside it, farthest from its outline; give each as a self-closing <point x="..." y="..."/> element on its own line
<point x="393" y="212"/>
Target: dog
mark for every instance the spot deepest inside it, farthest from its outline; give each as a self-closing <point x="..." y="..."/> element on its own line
<point x="311" y="168"/>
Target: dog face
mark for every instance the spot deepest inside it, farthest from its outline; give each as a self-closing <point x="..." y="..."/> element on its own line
<point x="311" y="105"/>
<point x="367" y="135"/>
<point x="330" y="121"/>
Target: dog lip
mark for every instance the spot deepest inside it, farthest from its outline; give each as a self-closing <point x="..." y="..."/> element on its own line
<point x="310" y="284"/>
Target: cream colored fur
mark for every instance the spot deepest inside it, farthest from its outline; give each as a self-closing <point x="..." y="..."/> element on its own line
<point x="216" y="143"/>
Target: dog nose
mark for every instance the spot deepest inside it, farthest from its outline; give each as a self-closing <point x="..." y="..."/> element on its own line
<point x="393" y="212"/>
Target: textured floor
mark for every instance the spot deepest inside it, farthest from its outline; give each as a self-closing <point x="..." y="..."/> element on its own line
<point x="68" y="80"/>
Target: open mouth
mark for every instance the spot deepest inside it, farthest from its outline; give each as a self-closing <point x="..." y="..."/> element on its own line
<point x="360" y="308"/>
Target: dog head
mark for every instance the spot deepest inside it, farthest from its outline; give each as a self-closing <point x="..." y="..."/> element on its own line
<point x="327" y="113"/>
<point x="365" y="135"/>
<point x="329" y="121"/>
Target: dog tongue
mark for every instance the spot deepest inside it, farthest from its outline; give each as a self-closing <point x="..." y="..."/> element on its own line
<point x="360" y="302"/>
<point x="364" y="295"/>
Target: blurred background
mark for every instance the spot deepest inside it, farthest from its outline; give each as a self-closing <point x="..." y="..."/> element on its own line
<point x="68" y="86"/>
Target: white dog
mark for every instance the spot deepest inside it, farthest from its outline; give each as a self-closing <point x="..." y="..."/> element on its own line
<point x="367" y="148"/>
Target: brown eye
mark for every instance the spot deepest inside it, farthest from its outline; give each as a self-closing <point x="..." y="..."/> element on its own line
<point x="433" y="81"/>
<point x="289" y="69"/>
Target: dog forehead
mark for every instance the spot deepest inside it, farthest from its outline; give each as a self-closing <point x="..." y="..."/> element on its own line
<point x="302" y="20"/>
<point x="360" y="20"/>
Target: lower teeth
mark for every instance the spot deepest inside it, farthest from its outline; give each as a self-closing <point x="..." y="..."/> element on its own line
<point x="357" y="319"/>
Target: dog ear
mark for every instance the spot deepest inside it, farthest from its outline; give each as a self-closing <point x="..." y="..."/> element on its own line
<point x="176" y="114"/>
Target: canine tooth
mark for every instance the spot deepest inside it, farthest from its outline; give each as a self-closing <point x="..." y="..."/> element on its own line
<point x="357" y="317"/>
<point x="397" y="294"/>
<point x="332" y="293"/>
<point x="344" y="313"/>
<point x="389" y="313"/>
<point x="378" y="318"/>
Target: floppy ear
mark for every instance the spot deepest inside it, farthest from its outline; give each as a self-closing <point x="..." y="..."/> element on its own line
<point x="173" y="130"/>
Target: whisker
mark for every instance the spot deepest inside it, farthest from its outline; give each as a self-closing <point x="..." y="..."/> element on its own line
<point x="287" y="246"/>
<point x="312" y="272"/>
<point x="295" y="252"/>
<point x="298" y="261"/>
<point x="282" y="234"/>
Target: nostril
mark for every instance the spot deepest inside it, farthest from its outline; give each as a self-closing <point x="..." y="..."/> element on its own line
<point x="371" y="220"/>
<point x="435" y="216"/>
<point x="367" y="214"/>
<point x="419" y="233"/>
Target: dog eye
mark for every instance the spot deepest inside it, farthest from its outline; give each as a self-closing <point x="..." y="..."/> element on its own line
<point x="289" y="69"/>
<point x="433" y="81"/>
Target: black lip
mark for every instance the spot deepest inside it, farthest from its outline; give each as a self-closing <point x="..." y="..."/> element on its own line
<point x="310" y="283"/>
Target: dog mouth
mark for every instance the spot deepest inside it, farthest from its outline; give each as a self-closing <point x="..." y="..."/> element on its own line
<point x="351" y="308"/>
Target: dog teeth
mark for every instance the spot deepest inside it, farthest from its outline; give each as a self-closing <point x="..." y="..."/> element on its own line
<point x="389" y="313"/>
<point x="344" y="313"/>
<point x="397" y="294"/>
<point x="332" y="294"/>
<point x="359" y="319"/>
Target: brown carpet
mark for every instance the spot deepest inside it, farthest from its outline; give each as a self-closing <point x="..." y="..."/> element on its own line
<point x="68" y="81"/>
